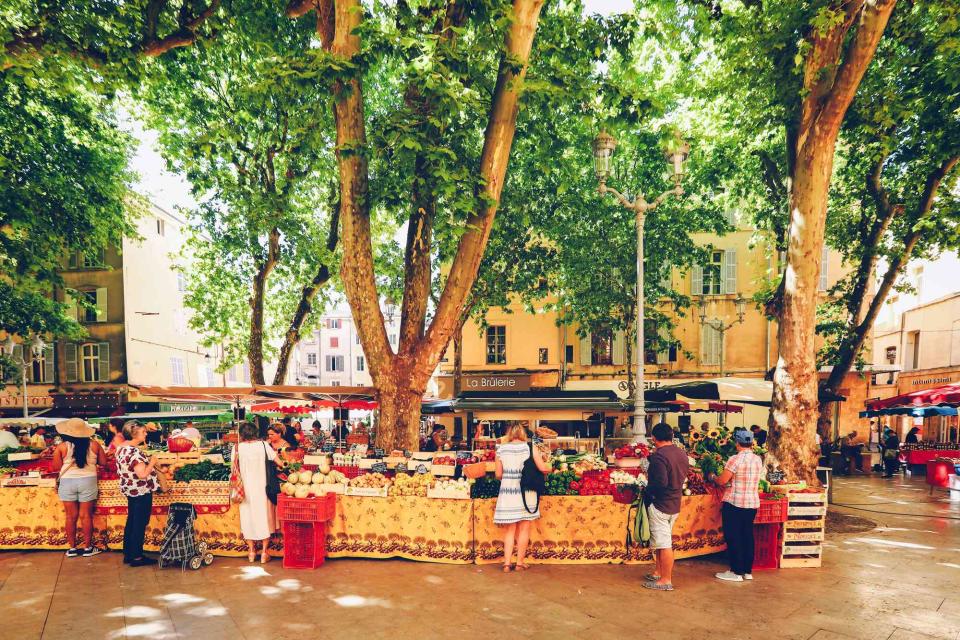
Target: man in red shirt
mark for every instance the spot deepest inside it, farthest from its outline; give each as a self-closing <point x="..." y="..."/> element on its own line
<point x="668" y="470"/>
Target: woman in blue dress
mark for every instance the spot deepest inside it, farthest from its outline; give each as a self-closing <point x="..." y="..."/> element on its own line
<point x="515" y="511"/>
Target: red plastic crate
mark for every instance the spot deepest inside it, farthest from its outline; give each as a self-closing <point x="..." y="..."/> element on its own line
<point x="771" y="511"/>
<point x="766" y="546"/>
<point x="318" y="509"/>
<point x="350" y="472"/>
<point x="623" y="494"/>
<point x="304" y="545"/>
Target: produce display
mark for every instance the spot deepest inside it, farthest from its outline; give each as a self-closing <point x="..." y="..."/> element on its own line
<point x="597" y="484"/>
<point x="5" y="452"/>
<point x="622" y="477"/>
<point x="693" y="485"/>
<point x="714" y="447"/>
<point x="445" y="461"/>
<point x="203" y="470"/>
<point x="484" y="455"/>
<point x="451" y="489"/>
<point x="579" y="463"/>
<point x="562" y="483"/>
<point x="640" y="450"/>
<point x="485" y="488"/>
<point x="410" y="485"/>
<point x="346" y="459"/>
<point x="370" y="481"/>
<point x="306" y="484"/>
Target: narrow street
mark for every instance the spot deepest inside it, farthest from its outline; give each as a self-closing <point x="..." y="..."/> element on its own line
<point x="895" y="582"/>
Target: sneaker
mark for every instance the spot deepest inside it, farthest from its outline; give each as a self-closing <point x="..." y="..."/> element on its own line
<point x="89" y="552"/>
<point x="748" y="576"/>
<point x="729" y="576"/>
<point x="73" y="552"/>
<point x="142" y="562"/>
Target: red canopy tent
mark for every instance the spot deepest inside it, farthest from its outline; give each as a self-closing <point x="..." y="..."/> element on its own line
<point x="946" y="394"/>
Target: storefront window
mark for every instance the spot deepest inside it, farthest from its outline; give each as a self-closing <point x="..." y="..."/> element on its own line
<point x="90" y="356"/>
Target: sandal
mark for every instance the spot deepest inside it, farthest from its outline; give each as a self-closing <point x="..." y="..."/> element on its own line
<point x="252" y="556"/>
<point x="651" y="577"/>
<point x="522" y="566"/>
<point x="264" y="557"/>
<point x="656" y="586"/>
<point x="507" y="568"/>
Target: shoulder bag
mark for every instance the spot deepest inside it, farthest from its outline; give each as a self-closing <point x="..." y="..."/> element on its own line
<point x="64" y="467"/>
<point x="270" y="470"/>
<point x="237" y="494"/>
<point x="531" y="479"/>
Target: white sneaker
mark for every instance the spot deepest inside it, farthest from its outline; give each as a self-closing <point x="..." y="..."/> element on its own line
<point x="748" y="576"/>
<point x="729" y="576"/>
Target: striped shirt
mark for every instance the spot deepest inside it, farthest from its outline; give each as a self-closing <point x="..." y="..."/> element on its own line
<point x="743" y="490"/>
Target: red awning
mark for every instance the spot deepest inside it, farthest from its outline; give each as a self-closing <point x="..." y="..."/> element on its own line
<point x="725" y="407"/>
<point x="947" y="394"/>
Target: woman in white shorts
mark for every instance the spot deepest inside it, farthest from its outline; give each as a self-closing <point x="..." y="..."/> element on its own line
<point x="75" y="460"/>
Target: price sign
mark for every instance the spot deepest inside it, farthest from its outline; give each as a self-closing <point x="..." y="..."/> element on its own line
<point x="406" y="453"/>
<point x="463" y="456"/>
<point x="378" y="452"/>
<point x="402" y="467"/>
<point x="422" y="469"/>
<point x="379" y="467"/>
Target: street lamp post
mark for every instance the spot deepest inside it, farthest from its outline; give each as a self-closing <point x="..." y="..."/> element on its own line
<point x="36" y="350"/>
<point x="719" y="325"/>
<point x="603" y="146"/>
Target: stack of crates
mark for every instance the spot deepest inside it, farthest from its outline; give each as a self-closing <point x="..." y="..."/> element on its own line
<point x="803" y="531"/>
<point x="767" y="533"/>
<point x="304" y="525"/>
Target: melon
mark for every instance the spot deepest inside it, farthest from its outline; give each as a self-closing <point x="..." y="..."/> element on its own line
<point x="302" y="491"/>
<point x="287" y="488"/>
<point x="316" y="490"/>
<point x="324" y="465"/>
<point x="319" y="478"/>
<point x="293" y="478"/>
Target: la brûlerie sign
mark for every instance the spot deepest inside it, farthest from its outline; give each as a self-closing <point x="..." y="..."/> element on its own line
<point x="496" y="383"/>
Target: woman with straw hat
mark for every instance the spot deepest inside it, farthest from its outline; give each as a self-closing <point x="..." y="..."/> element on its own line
<point x="75" y="460"/>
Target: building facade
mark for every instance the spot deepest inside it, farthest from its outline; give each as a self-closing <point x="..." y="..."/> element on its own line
<point x="917" y="337"/>
<point x="130" y="302"/>
<point x="332" y="355"/>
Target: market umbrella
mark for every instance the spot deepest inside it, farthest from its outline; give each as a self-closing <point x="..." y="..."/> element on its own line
<point x="946" y="394"/>
<point x="754" y="391"/>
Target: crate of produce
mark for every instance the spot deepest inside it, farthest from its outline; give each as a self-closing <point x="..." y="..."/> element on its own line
<point x="624" y="493"/>
<point x="349" y="470"/>
<point x="443" y="469"/>
<point x="766" y="546"/>
<point x="304" y="545"/>
<point x="306" y="509"/>
<point x="771" y="511"/>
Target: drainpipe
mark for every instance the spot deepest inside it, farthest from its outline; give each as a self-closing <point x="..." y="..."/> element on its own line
<point x="563" y="356"/>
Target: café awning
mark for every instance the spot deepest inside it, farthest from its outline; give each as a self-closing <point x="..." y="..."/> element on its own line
<point x="754" y="391"/>
<point x="916" y="412"/>
<point x="538" y="400"/>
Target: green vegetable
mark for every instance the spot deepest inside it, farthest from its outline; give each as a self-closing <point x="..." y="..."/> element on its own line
<point x="204" y="470"/>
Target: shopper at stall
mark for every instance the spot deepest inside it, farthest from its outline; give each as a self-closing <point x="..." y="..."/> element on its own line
<point x="516" y="509"/>
<point x="913" y="436"/>
<point x="138" y="481"/>
<point x="116" y="439"/>
<point x="852" y="453"/>
<point x="891" y="454"/>
<point x="438" y="440"/>
<point x="340" y="432"/>
<point x="665" y="476"/>
<point x="759" y="435"/>
<point x="278" y="444"/>
<point x="257" y="516"/>
<point x="741" y="499"/>
<point x="75" y="461"/>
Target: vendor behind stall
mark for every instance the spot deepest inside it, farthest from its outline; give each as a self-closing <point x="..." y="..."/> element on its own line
<point x="438" y="440"/>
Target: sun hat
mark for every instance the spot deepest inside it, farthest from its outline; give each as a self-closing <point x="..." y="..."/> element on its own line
<point x="743" y="436"/>
<point x="75" y="428"/>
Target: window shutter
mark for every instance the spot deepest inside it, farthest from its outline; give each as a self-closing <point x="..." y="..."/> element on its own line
<point x="585" y="350"/>
<point x="824" y="268"/>
<point x="663" y="355"/>
<point x="74" y="260"/>
<point x="102" y="304"/>
<point x="13" y="373"/>
<point x="730" y="271"/>
<point x="709" y="345"/>
<point x="71" y="303"/>
<point x="104" y="362"/>
<point x="619" y="347"/>
<point x="70" y="366"/>
<point x="48" y="370"/>
<point x="696" y="280"/>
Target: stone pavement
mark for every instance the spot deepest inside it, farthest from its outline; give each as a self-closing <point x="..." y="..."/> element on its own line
<point x="900" y="581"/>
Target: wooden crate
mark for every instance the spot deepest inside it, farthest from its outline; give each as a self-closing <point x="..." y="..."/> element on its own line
<point x="799" y="562"/>
<point x="804" y="523"/>
<point x="803" y="536"/>
<point x="806" y="511"/>
<point x="794" y="497"/>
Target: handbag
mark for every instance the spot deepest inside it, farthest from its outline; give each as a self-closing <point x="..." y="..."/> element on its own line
<point x="63" y="469"/>
<point x="531" y="479"/>
<point x="273" y="482"/>
<point x="237" y="494"/>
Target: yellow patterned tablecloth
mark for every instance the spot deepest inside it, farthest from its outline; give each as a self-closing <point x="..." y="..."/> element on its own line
<point x="572" y="529"/>
<point x="593" y="530"/>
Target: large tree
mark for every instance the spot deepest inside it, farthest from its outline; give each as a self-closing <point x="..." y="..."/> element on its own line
<point x="805" y="62"/>
<point x="64" y="187"/>
<point x="895" y="199"/>
<point x="450" y="76"/>
<point x="243" y="118"/>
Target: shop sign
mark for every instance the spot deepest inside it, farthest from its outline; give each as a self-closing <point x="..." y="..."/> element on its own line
<point x="495" y="383"/>
<point x="35" y="402"/>
<point x="931" y="382"/>
<point x="166" y="407"/>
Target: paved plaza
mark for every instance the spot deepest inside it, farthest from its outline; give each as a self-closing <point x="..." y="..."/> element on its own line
<point x="899" y="581"/>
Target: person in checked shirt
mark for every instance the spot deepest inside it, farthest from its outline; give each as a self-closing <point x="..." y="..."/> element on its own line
<point x="741" y="499"/>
